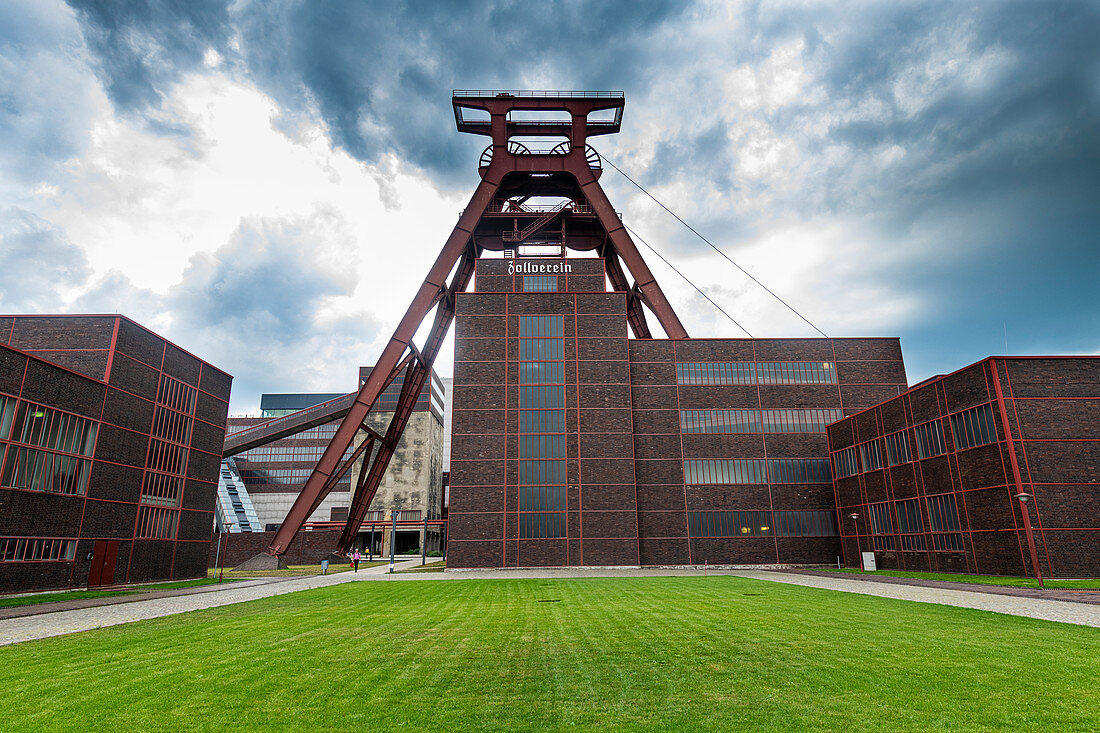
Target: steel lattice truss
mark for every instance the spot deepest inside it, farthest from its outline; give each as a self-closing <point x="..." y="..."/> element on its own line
<point x="497" y="218"/>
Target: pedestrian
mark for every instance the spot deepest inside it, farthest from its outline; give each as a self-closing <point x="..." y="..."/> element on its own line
<point x="355" y="558"/>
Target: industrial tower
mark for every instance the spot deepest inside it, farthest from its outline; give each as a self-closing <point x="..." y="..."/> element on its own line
<point x="539" y="150"/>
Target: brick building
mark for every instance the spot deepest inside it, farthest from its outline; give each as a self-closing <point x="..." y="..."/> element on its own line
<point x="930" y="474"/>
<point x="574" y="445"/>
<point x="110" y="438"/>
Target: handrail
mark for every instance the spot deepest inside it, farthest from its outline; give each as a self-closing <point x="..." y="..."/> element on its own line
<point x="538" y="93"/>
<point x="296" y="416"/>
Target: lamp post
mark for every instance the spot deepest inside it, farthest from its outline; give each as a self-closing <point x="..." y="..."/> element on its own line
<point x="854" y="516"/>
<point x="1023" y="497"/>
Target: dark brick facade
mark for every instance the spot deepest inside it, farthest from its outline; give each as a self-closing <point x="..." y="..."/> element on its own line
<point x="626" y="500"/>
<point x="1052" y="409"/>
<point x="108" y="369"/>
<point x="307" y="548"/>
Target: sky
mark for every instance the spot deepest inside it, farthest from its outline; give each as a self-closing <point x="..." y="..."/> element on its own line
<point x="267" y="183"/>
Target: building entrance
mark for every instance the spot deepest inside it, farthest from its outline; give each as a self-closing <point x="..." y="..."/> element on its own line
<point x="104" y="556"/>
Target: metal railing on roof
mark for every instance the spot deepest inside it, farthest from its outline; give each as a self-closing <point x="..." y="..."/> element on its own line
<point x="541" y="93"/>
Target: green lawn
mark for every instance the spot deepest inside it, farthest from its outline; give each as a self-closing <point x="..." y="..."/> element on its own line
<point x="982" y="579"/>
<point x="670" y="654"/>
<point x="432" y="567"/>
<point x="76" y="595"/>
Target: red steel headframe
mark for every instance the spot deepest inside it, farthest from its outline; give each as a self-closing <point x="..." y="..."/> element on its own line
<point x="527" y="174"/>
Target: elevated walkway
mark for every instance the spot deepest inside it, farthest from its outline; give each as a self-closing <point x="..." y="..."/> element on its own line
<point x="235" y="510"/>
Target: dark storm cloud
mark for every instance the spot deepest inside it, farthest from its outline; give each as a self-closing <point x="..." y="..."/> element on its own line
<point x="37" y="264"/>
<point x="382" y="79"/>
<point x="142" y="47"/>
<point x="967" y="132"/>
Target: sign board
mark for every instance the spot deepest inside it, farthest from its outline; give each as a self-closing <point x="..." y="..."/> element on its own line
<point x="869" y="561"/>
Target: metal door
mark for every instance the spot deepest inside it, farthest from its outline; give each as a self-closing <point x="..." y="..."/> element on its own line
<point x="104" y="556"/>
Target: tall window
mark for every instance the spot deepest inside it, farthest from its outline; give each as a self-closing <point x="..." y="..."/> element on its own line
<point x="166" y="461"/>
<point x="881" y="527"/>
<point x="943" y="520"/>
<point x="869" y="454"/>
<point x="54" y="451"/>
<point x="763" y="372"/>
<point x="897" y="448"/>
<point x="930" y="439"/>
<point x="909" y="525"/>
<point x="974" y="427"/>
<point x="542" y="465"/>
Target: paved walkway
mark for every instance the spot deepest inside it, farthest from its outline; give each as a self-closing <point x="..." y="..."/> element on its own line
<point x="44" y="625"/>
<point x="1068" y="612"/>
<point x="1083" y="595"/>
<point x="40" y="626"/>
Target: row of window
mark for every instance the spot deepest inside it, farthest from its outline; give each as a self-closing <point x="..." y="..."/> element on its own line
<point x="970" y="428"/>
<point x="175" y="394"/>
<point x="943" y="524"/>
<point x="723" y="422"/>
<point x="38" y="470"/>
<point x="541" y="349"/>
<point x="159" y="489"/>
<point x="166" y="457"/>
<point x="541" y="498"/>
<point x="542" y="397"/>
<point x="171" y="425"/>
<point x="542" y="421"/>
<point x="280" y="476"/>
<point x="541" y="472"/>
<point x="23" y="549"/>
<point x="541" y="326"/>
<point x="542" y="372"/>
<point x="761" y="524"/>
<point x="541" y="525"/>
<point x="157" y="523"/>
<point x="46" y="428"/>
<point x="286" y="454"/>
<point x="752" y="373"/>
<point x="540" y="284"/>
<point x="542" y="446"/>
<point x="757" y="471"/>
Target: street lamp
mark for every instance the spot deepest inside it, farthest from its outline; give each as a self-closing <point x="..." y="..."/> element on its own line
<point x="1023" y="497"/>
<point x="854" y="516"/>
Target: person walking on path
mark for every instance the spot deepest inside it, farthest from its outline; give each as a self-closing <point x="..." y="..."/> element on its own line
<point x="355" y="558"/>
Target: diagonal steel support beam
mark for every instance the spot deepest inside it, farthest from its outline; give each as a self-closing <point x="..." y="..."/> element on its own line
<point x="625" y="248"/>
<point x="635" y="315"/>
<point x="456" y="249"/>
<point x="410" y="391"/>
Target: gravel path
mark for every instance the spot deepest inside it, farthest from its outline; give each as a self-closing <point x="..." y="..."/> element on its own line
<point x="44" y="625"/>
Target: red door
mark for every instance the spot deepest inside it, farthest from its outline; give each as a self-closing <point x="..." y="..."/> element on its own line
<point x="104" y="555"/>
